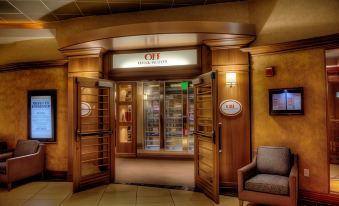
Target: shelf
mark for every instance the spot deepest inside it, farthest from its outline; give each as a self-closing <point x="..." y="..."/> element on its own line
<point x="95" y="123"/>
<point x="96" y="102"/>
<point x="204" y="93"/>
<point x="96" y="95"/>
<point x="92" y="145"/>
<point x="94" y="160"/>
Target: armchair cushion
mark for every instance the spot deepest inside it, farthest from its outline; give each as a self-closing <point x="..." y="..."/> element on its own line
<point x="3" y="168"/>
<point x="26" y="147"/>
<point x="273" y="184"/>
<point x="273" y="160"/>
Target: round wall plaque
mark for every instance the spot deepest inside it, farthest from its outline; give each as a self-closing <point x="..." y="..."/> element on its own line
<point x="85" y="109"/>
<point x="230" y="107"/>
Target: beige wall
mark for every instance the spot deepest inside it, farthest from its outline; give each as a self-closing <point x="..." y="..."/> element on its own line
<point x="13" y="113"/>
<point x="275" y="20"/>
<point x="287" y="20"/>
<point x="304" y="134"/>
<point x="30" y="50"/>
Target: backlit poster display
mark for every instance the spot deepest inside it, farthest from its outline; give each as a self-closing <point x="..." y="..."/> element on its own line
<point x="41" y="115"/>
<point x="286" y="101"/>
<point x="279" y="101"/>
<point x="293" y="101"/>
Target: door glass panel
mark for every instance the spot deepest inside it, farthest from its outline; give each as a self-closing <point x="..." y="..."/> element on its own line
<point x="94" y="119"/>
<point x="94" y="154"/>
<point x="333" y="134"/>
<point x="206" y="145"/>
<point x="152" y="116"/>
<point x="203" y="109"/>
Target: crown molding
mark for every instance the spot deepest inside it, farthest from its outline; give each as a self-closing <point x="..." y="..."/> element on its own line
<point x="229" y="43"/>
<point x="325" y="42"/>
<point x="83" y="53"/>
<point x="22" y="25"/>
<point x="32" y="65"/>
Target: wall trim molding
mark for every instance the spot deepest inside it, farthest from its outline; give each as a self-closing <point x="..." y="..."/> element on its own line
<point x="22" y="25"/>
<point x="62" y="175"/>
<point x="83" y="53"/>
<point x="325" y="42"/>
<point x="230" y="43"/>
<point x="32" y="65"/>
<point x="304" y="195"/>
<point x="323" y="198"/>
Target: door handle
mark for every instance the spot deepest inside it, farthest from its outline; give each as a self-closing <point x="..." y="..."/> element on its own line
<point x="219" y="136"/>
<point x="213" y="133"/>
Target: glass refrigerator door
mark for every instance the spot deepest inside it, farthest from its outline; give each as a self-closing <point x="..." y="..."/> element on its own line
<point x="152" y="116"/>
<point x="190" y="117"/>
<point x="173" y="116"/>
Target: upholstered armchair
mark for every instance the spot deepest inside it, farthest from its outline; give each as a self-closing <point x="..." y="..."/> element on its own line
<point x="28" y="159"/>
<point x="271" y="178"/>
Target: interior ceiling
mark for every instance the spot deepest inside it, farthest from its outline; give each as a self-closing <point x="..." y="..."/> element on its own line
<point x="55" y="10"/>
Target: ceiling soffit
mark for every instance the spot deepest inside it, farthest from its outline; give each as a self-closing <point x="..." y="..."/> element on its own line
<point x="162" y="34"/>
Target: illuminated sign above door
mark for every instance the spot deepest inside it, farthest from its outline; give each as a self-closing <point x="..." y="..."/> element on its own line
<point x="156" y="59"/>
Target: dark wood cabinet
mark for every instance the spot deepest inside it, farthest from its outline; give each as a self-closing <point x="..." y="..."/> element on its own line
<point x="3" y="146"/>
<point x="333" y="114"/>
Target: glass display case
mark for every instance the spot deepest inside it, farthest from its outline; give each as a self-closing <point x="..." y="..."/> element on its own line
<point x="174" y="120"/>
<point x="168" y="117"/>
<point x="126" y="121"/>
<point x="152" y="113"/>
<point x="190" y="120"/>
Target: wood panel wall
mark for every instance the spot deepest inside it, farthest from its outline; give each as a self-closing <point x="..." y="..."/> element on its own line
<point x="82" y="63"/>
<point x="235" y="131"/>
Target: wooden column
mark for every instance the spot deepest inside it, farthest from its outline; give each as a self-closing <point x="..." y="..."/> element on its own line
<point x="82" y="63"/>
<point x="235" y="131"/>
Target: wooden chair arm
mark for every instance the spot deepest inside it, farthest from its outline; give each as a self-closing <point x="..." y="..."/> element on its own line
<point x="294" y="181"/>
<point x="5" y="156"/>
<point x="246" y="172"/>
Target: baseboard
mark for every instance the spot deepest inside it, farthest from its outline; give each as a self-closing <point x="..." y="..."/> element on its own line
<point x="127" y="155"/>
<point x="322" y="198"/>
<point x="58" y="175"/>
<point x="165" y="156"/>
<point x="173" y="187"/>
<point x="228" y="188"/>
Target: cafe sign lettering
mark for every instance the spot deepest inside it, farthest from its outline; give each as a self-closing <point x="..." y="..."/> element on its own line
<point x="156" y="59"/>
<point x="230" y="107"/>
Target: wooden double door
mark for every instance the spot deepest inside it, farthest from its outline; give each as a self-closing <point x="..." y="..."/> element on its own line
<point x="94" y="144"/>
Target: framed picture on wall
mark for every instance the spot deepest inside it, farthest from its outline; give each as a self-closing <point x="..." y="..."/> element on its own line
<point x="41" y="115"/>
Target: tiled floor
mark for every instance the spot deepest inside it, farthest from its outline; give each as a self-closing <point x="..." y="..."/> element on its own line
<point x="334" y="181"/>
<point x="164" y="172"/>
<point x="60" y="193"/>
